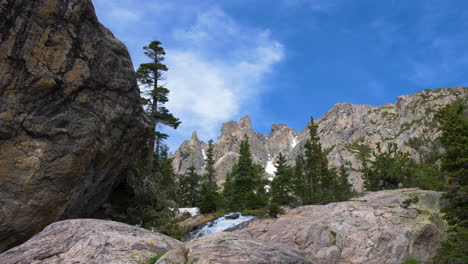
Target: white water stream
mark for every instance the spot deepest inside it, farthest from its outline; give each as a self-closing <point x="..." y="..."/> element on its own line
<point x="219" y="225"/>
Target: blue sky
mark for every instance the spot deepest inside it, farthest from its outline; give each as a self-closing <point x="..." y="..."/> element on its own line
<point x="282" y="61"/>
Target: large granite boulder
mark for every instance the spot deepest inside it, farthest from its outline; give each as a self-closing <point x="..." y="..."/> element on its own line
<point x="90" y="241"/>
<point x="70" y="114"/>
<point x="386" y="227"/>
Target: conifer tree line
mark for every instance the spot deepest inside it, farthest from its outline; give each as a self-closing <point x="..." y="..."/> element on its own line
<point x="310" y="181"/>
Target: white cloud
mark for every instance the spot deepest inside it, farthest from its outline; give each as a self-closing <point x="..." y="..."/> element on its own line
<point x="218" y="67"/>
<point x="124" y="14"/>
<point x="315" y="5"/>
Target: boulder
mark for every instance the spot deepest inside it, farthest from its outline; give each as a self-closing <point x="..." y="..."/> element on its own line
<point x="375" y="228"/>
<point x="228" y="248"/>
<point x="89" y="241"/>
<point x="232" y="216"/>
<point x="70" y="114"/>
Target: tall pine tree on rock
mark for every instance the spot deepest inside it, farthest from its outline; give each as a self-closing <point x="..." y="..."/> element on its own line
<point x="282" y="185"/>
<point x="244" y="187"/>
<point x="149" y="75"/>
<point x="454" y="125"/>
<point x="210" y="199"/>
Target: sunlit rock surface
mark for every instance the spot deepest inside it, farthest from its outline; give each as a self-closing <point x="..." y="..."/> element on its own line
<point x="70" y="114"/>
<point x="409" y="120"/>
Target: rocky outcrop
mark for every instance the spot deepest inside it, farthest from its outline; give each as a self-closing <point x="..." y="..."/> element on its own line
<point x="378" y="228"/>
<point x="90" y="241"/>
<point x="228" y="248"/>
<point x="386" y="227"/>
<point x="191" y="153"/>
<point x="408" y="123"/>
<point x="70" y="115"/>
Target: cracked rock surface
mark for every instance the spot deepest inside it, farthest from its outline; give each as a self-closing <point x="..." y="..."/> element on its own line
<point x="374" y="229"/>
<point x="70" y="115"/>
<point x="90" y="241"/>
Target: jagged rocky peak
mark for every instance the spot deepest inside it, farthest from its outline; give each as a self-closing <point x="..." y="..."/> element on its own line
<point x="245" y="122"/>
<point x="343" y="126"/>
<point x="191" y="153"/>
<point x="232" y="128"/>
<point x="281" y="139"/>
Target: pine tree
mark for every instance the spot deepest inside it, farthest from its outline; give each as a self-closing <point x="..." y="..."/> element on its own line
<point x="343" y="189"/>
<point x="454" y="125"/>
<point x="149" y="74"/>
<point x="189" y="188"/>
<point x="244" y="188"/>
<point x="165" y="175"/>
<point x="210" y="199"/>
<point x="281" y="186"/>
<point x="316" y="166"/>
<point x="388" y="169"/>
<point x="299" y="181"/>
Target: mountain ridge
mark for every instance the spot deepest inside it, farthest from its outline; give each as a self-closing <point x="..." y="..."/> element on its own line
<point x="345" y="124"/>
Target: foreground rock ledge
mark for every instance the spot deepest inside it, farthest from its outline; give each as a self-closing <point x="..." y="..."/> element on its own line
<point x="70" y="114"/>
<point x="89" y="241"/>
<point x="377" y="228"/>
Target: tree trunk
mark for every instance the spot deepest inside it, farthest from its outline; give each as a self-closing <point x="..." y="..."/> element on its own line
<point x="151" y="143"/>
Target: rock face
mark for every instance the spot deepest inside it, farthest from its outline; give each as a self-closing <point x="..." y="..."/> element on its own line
<point x="408" y="123"/>
<point x="378" y="228"/>
<point x="89" y="241"/>
<point x="226" y="149"/>
<point x="228" y="248"/>
<point x="70" y="116"/>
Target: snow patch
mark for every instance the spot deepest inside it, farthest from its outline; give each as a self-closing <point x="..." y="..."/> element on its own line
<point x="270" y="168"/>
<point x="294" y="142"/>
<point x="193" y="211"/>
<point x="204" y="155"/>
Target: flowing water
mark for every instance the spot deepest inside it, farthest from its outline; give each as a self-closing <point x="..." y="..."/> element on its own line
<point x="218" y="225"/>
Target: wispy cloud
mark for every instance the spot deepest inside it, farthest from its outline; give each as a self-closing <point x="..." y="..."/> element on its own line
<point x="217" y="67"/>
<point x="315" y="5"/>
<point x="124" y="14"/>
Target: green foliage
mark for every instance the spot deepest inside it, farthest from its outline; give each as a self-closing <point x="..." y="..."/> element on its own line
<point x="262" y="212"/>
<point x="344" y="189"/>
<point x="153" y="260"/>
<point x="412" y="200"/>
<point x="210" y="198"/>
<point x="299" y="180"/>
<point x="454" y="249"/>
<point x="189" y="188"/>
<point x="244" y="186"/>
<point x="334" y="234"/>
<point x="454" y="125"/>
<point x="148" y="74"/>
<point x="387" y="170"/>
<point x="317" y="174"/>
<point x="281" y="187"/>
<point x="313" y="182"/>
<point x="154" y="196"/>
<point x="274" y="209"/>
<point x="410" y="261"/>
